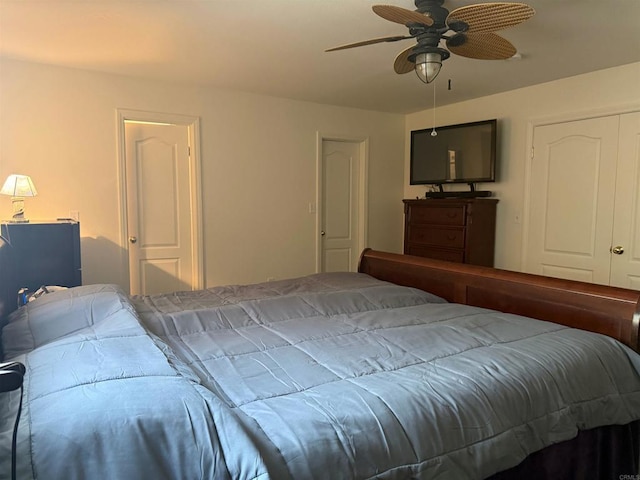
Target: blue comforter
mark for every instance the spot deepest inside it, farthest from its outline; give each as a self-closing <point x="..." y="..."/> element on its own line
<point x="327" y="376"/>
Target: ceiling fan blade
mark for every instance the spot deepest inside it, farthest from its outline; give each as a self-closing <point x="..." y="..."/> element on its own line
<point x="402" y="64"/>
<point x="370" y="42"/>
<point x="483" y="46"/>
<point x="401" y="15"/>
<point x="489" y="17"/>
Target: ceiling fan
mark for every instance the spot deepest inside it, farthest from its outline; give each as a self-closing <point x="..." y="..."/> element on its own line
<point x="467" y="31"/>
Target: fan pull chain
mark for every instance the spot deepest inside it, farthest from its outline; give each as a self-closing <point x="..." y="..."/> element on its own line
<point x="433" y="132"/>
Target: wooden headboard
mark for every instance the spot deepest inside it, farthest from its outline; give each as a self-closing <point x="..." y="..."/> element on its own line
<point x="609" y="310"/>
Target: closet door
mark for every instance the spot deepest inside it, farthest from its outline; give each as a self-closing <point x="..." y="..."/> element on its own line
<point x="625" y="256"/>
<point x="573" y="180"/>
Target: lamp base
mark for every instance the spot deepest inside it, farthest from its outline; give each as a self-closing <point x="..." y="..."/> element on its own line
<point x="18" y="210"/>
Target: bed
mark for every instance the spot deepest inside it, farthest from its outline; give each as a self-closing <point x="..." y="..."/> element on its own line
<point x="410" y="368"/>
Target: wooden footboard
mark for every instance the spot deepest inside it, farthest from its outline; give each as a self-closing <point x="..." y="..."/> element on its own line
<point x="598" y="308"/>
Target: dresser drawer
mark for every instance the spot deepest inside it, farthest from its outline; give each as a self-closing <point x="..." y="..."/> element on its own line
<point x="442" y="228"/>
<point x="441" y="236"/>
<point x="439" y="215"/>
<point x="437" y="253"/>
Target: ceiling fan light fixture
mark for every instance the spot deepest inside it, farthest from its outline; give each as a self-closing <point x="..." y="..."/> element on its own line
<point x="428" y="66"/>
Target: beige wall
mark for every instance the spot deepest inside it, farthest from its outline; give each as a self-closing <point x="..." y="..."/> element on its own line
<point x="258" y="160"/>
<point x="258" y="167"/>
<point x="517" y="110"/>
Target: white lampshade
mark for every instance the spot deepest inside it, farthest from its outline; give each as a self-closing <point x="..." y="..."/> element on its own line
<point x="19" y="186"/>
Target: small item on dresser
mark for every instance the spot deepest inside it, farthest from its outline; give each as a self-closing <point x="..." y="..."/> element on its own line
<point x="43" y="290"/>
<point x="23" y="296"/>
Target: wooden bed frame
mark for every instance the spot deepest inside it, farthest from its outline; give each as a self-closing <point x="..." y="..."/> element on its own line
<point x="609" y="310"/>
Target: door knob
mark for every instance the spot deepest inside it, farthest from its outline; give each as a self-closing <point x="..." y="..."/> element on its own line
<point x="618" y="250"/>
<point x="133" y="239"/>
<point x="322" y="233"/>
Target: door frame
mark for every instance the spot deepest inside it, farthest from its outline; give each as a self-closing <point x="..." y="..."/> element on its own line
<point x="532" y="124"/>
<point x="362" y="206"/>
<point x="193" y="131"/>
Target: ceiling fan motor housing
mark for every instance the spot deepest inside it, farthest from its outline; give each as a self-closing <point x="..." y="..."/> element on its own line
<point x="435" y="10"/>
<point x="429" y="36"/>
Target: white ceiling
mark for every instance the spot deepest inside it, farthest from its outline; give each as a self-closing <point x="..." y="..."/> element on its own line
<point x="276" y="47"/>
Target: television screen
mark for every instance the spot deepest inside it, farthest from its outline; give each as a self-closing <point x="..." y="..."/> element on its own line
<point x="464" y="153"/>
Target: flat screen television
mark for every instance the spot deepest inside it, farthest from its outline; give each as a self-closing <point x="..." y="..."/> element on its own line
<point x="464" y="153"/>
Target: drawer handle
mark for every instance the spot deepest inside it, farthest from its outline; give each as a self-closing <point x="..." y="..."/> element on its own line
<point x="452" y="214"/>
<point x="451" y="237"/>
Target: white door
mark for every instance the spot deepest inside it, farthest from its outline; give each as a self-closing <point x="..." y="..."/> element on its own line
<point x="625" y="258"/>
<point x="159" y="219"/>
<point x="573" y="178"/>
<point x="340" y="207"/>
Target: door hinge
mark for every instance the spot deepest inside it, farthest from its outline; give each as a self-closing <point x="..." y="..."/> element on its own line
<point x="532" y="152"/>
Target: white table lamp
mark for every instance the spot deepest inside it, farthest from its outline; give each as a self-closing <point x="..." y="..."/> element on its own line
<point x="18" y="187"/>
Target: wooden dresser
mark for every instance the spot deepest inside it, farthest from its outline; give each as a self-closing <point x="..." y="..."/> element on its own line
<point x="454" y="229"/>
